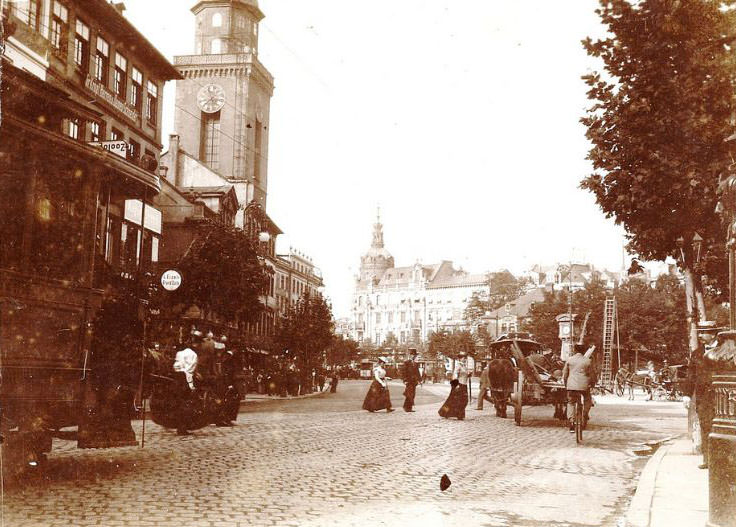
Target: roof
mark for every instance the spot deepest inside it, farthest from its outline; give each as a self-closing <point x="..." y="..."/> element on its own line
<point x="127" y="33"/>
<point x="520" y="307"/>
<point x="459" y="279"/>
<point x="250" y="5"/>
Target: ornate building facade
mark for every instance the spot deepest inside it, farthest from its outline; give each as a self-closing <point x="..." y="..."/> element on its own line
<point x="408" y="302"/>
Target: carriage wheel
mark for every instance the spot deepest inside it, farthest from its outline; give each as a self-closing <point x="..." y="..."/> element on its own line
<point x="517" y="398"/>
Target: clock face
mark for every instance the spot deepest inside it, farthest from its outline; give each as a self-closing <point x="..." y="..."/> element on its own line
<point x="211" y="98"/>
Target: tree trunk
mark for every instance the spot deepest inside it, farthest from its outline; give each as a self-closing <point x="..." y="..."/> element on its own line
<point x="695" y="306"/>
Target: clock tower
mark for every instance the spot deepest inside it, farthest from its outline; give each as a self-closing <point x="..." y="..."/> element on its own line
<point x="223" y="101"/>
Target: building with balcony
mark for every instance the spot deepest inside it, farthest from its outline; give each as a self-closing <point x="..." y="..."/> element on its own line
<point x="409" y="302"/>
<point x="81" y="127"/>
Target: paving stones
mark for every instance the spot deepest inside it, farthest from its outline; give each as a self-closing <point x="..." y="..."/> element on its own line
<point x="351" y="468"/>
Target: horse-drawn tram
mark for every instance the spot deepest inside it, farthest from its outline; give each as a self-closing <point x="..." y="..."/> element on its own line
<point x="523" y="375"/>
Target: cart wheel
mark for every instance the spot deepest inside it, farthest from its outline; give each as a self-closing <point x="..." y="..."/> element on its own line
<point x="517" y="398"/>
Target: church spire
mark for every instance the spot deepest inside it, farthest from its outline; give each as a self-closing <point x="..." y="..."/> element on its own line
<point x="377" y="231"/>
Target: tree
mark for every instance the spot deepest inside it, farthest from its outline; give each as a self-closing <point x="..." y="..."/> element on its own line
<point x="649" y="318"/>
<point x="657" y="125"/>
<point x="342" y="351"/>
<point x="221" y="273"/>
<point x="306" y="331"/>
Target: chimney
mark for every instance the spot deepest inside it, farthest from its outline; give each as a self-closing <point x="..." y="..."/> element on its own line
<point x="120" y="6"/>
<point x="174" y="172"/>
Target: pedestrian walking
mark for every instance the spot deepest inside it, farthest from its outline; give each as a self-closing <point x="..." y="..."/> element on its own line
<point x="227" y="395"/>
<point x="411" y="379"/>
<point x="484" y="388"/>
<point x="456" y="402"/>
<point x="378" y="397"/>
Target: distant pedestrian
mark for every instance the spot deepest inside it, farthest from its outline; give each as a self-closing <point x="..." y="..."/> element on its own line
<point x="411" y="377"/>
<point x="484" y="388"/>
<point x="456" y="402"/>
<point x="227" y="395"/>
<point x="378" y="397"/>
<point x="321" y="379"/>
<point x="334" y="378"/>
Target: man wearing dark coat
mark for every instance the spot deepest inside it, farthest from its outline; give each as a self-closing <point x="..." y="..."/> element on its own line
<point x="699" y="384"/>
<point x="412" y="377"/>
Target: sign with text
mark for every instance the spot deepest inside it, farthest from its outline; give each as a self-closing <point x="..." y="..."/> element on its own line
<point x="116" y="147"/>
<point x="171" y="280"/>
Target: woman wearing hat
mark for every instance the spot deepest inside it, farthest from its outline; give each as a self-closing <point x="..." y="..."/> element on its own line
<point x="456" y="402"/>
<point x="378" y="397"/>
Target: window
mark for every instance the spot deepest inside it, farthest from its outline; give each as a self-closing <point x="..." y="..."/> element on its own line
<point x="102" y="60"/>
<point x="136" y="88"/>
<point x="390" y="317"/>
<point x="116" y="135"/>
<point x="94" y="131"/>
<point x="258" y="145"/>
<point x="27" y="11"/>
<point x="73" y="128"/>
<point x="216" y="46"/>
<point x="217" y="20"/>
<point x="134" y="150"/>
<point x="403" y="316"/>
<point x="59" y="20"/>
<point x="210" y="139"/>
<point x="121" y="76"/>
<point x="152" y="103"/>
<point x="81" y="46"/>
<point x="378" y="318"/>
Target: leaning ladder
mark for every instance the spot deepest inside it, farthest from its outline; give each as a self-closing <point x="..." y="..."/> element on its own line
<point x="609" y="326"/>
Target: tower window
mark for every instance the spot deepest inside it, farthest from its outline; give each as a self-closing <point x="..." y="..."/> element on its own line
<point x="258" y="145"/>
<point x="216" y="46"/>
<point x="217" y="20"/>
<point x="210" y="139"/>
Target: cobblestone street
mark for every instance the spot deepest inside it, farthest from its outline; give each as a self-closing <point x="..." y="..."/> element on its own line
<point x="322" y="462"/>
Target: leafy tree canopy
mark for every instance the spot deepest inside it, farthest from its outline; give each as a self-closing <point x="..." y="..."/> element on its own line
<point x="221" y="272"/>
<point x="658" y="121"/>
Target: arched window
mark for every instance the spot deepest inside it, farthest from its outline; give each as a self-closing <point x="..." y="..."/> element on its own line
<point x="217" y="20"/>
<point x="216" y="46"/>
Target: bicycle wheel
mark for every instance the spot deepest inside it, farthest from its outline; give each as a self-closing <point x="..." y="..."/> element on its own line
<point x="578" y="421"/>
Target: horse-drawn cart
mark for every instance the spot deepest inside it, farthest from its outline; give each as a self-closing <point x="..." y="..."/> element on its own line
<point x="522" y="375"/>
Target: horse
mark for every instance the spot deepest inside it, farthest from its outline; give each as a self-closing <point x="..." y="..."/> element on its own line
<point x="501" y="376"/>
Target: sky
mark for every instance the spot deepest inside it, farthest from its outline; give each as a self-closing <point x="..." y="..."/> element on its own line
<point x="459" y="118"/>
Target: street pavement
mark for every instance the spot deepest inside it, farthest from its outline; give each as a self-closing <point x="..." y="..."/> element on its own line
<point x="321" y="461"/>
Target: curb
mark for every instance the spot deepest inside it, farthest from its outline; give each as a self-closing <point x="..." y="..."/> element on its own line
<point x="640" y="509"/>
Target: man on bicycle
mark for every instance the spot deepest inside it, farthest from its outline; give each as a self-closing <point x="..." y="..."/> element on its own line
<point x="579" y="376"/>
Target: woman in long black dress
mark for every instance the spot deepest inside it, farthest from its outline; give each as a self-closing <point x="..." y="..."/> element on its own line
<point x="456" y="402"/>
<point x="378" y="397"/>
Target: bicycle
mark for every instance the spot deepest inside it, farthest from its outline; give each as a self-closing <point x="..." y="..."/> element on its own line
<point x="578" y="417"/>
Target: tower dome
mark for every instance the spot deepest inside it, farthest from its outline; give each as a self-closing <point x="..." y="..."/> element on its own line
<point x="374" y="262"/>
